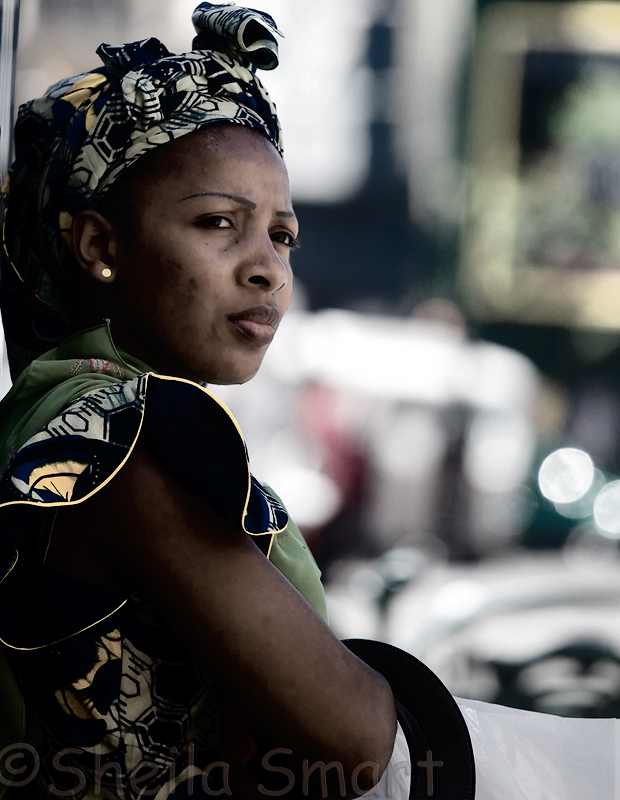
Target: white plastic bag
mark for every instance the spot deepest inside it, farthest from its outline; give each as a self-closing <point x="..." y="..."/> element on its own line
<point x="523" y="755"/>
<point x="5" y="376"/>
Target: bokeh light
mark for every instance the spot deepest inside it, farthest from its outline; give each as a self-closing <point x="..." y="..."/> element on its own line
<point x="566" y="475"/>
<point x="607" y="510"/>
<point x="583" y="506"/>
<point x="311" y="497"/>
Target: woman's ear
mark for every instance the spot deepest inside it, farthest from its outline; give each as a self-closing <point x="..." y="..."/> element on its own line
<point x="94" y="245"/>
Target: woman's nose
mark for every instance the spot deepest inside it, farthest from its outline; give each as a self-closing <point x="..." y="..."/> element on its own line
<point x="265" y="268"/>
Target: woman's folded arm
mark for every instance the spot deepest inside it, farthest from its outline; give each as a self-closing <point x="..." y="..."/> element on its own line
<point x="234" y="612"/>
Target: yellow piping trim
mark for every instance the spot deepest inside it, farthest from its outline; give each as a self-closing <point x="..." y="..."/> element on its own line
<point x="65" y="503"/>
<point x="4" y="247"/>
<point x="12" y="567"/>
<point x="64" y="638"/>
<point x="236" y="424"/>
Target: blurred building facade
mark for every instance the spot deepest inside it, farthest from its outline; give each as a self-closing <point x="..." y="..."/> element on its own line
<point x="368" y="95"/>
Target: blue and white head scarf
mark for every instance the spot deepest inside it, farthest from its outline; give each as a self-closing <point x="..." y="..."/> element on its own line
<point x="74" y="142"/>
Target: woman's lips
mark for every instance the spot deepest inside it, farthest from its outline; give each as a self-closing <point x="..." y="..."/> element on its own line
<point x="258" y="323"/>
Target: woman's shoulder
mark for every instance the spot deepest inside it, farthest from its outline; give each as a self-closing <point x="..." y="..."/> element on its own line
<point x="190" y="433"/>
<point x="85" y="362"/>
<point x="84" y="428"/>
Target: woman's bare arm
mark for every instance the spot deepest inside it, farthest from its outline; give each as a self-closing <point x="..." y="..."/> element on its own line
<point x="235" y="612"/>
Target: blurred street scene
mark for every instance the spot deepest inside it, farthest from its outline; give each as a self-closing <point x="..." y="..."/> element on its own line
<point x="440" y="409"/>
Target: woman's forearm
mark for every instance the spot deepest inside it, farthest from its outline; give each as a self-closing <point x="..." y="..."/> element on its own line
<point x="241" y="619"/>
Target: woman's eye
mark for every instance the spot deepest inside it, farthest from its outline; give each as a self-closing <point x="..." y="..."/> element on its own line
<point x="286" y="238"/>
<point x="215" y="221"/>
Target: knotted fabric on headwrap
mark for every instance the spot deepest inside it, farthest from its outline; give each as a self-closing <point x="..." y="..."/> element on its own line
<point x="76" y="140"/>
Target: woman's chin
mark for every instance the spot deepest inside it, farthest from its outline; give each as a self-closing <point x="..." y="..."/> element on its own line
<point x="228" y="374"/>
<point x="232" y="379"/>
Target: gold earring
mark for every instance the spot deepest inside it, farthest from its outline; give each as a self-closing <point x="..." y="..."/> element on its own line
<point x="107" y="273"/>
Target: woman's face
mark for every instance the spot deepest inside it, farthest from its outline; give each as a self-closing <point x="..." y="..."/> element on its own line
<point x="201" y="277"/>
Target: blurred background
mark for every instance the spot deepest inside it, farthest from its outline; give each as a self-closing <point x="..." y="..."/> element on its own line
<point x="440" y="410"/>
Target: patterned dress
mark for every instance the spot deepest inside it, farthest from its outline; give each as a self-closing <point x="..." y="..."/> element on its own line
<point x="115" y="707"/>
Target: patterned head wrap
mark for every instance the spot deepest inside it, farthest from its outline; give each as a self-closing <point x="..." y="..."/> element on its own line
<point x="76" y="140"/>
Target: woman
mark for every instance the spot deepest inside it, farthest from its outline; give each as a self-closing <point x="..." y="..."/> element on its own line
<point x="149" y="635"/>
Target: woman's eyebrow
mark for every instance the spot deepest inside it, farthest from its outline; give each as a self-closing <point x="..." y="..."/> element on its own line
<point x="243" y="200"/>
